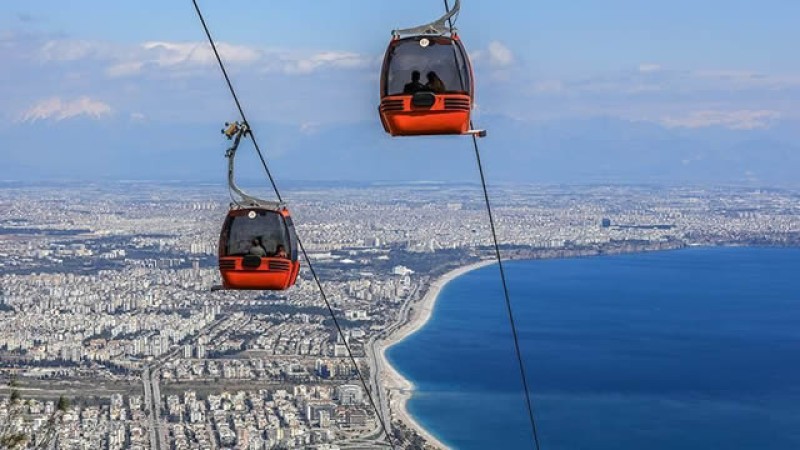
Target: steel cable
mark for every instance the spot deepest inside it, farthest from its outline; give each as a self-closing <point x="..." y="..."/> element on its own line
<point x="512" y="322"/>
<point x="509" y="310"/>
<point x="299" y="242"/>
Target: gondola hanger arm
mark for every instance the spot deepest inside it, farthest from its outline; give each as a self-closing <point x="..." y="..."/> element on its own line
<point x="438" y="27"/>
<point x="236" y="131"/>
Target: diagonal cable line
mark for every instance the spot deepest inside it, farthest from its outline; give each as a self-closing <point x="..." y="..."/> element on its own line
<point x="523" y="376"/>
<point x="236" y="100"/>
<point x="512" y="322"/>
<point x="300" y="243"/>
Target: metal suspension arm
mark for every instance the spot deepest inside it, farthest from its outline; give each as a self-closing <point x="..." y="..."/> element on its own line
<point x="236" y="131"/>
<point x="439" y="26"/>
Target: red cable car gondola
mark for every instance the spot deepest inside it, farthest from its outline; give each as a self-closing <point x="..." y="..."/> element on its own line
<point x="258" y="243"/>
<point x="427" y="82"/>
<point x="258" y="249"/>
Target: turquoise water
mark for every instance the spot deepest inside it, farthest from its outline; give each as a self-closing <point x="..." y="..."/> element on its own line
<point x="688" y="349"/>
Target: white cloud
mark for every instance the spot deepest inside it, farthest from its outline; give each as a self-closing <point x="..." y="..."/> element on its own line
<point x="736" y="120"/>
<point x="129" y="60"/>
<point x="309" y="127"/>
<point x="186" y="57"/>
<point x="500" y="55"/>
<point x="74" y="50"/>
<point x="55" y="108"/>
<point x="192" y="58"/>
<point x="178" y="56"/>
<point x="649" y="68"/>
<point x="125" y="69"/>
<point x="293" y="64"/>
<point x="200" y="53"/>
<point x="65" y="50"/>
<point x="496" y="54"/>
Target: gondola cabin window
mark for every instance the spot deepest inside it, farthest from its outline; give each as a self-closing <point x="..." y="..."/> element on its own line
<point x="437" y="63"/>
<point x="259" y="233"/>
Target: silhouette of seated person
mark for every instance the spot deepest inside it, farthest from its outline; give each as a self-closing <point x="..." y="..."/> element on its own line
<point x="280" y="252"/>
<point x="257" y="248"/>
<point x="434" y="84"/>
<point x="415" y="85"/>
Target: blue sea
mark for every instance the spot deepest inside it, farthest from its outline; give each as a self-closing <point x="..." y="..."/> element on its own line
<point x="686" y="349"/>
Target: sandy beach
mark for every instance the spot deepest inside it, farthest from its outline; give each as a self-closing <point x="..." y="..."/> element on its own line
<point x="399" y="389"/>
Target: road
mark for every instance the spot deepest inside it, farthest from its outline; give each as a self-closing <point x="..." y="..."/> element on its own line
<point x="152" y="392"/>
<point x="154" y="428"/>
<point x="376" y="366"/>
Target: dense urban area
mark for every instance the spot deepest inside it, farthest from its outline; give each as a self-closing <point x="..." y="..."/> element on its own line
<point x="111" y="338"/>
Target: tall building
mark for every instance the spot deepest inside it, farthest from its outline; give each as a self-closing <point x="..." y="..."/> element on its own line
<point x="324" y="419"/>
<point x="349" y="394"/>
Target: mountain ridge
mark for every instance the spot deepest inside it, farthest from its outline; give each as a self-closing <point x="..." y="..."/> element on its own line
<point x="592" y="150"/>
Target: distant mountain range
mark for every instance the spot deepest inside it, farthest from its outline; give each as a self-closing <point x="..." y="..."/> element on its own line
<point x="599" y="150"/>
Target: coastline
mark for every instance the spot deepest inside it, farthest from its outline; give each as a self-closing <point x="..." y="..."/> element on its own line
<point x="398" y="388"/>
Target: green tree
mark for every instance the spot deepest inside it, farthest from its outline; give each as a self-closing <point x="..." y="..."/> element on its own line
<point x="13" y="436"/>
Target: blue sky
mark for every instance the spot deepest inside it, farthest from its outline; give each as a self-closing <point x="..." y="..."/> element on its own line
<point x="682" y="65"/>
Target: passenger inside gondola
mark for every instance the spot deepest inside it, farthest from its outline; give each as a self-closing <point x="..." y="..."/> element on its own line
<point x="281" y="252"/>
<point x="415" y="85"/>
<point x="257" y="248"/>
<point x="434" y="83"/>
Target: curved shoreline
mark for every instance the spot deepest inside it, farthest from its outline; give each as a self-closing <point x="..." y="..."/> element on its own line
<point x="398" y="388"/>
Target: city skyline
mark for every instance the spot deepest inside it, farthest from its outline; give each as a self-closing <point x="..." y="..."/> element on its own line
<point x="155" y="360"/>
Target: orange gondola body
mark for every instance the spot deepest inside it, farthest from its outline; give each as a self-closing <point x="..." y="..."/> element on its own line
<point x="258" y="249"/>
<point x="439" y="107"/>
